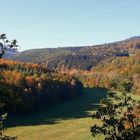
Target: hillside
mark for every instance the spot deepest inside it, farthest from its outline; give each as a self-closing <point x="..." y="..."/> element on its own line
<point x="83" y="58"/>
<point x="111" y="72"/>
<point x="25" y="87"/>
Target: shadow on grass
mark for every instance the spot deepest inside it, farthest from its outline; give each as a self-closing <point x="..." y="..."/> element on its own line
<point x="79" y="107"/>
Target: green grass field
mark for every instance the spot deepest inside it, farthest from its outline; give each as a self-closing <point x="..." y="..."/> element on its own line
<point x="69" y="120"/>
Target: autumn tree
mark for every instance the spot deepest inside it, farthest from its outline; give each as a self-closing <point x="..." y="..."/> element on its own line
<point x="120" y="116"/>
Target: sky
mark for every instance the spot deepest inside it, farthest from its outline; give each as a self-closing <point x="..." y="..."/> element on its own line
<point x="60" y="23"/>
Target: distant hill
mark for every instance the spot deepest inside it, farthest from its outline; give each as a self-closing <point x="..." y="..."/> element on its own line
<point x="9" y="52"/>
<point x="83" y="58"/>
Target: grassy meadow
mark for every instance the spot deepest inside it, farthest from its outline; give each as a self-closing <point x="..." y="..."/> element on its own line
<point x="69" y="120"/>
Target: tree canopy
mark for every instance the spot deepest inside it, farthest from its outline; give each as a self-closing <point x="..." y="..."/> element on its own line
<point x="120" y="116"/>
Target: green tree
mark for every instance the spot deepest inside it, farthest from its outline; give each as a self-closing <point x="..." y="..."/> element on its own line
<point x="5" y="44"/>
<point x="119" y="115"/>
<point x="2" y="128"/>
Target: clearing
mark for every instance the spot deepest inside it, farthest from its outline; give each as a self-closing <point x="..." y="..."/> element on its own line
<point x="69" y="120"/>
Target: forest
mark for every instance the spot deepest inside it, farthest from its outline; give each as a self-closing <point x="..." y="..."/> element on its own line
<point x="81" y="58"/>
<point x="110" y="72"/>
<point x="25" y="87"/>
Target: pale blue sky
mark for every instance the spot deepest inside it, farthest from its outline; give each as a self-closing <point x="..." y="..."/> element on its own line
<point x="57" y="23"/>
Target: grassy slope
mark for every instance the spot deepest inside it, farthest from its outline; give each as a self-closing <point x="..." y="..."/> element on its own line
<point x="67" y="121"/>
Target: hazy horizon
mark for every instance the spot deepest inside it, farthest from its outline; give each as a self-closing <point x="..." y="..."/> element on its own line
<point x="53" y="23"/>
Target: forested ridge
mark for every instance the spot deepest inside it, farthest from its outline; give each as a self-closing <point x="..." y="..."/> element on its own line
<point x="83" y="58"/>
